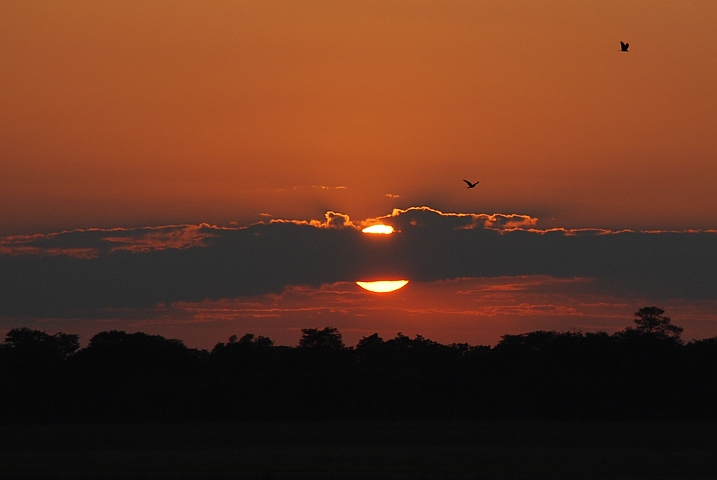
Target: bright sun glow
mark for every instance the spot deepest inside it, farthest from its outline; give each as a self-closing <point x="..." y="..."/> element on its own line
<point x="382" y="286"/>
<point x="384" y="229"/>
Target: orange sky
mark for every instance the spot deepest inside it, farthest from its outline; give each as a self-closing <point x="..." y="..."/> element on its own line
<point x="121" y="114"/>
<point x="144" y="113"/>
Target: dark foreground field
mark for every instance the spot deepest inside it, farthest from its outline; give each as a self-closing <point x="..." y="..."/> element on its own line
<point x="362" y="450"/>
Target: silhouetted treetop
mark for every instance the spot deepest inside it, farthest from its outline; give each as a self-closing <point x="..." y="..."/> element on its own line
<point x="247" y="343"/>
<point x="370" y="342"/>
<point x="403" y="342"/>
<point x="122" y="349"/>
<point x="327" y="338"/>
<point x="533" y="341"/>
<point x="251" y="340"/>
<point x="116" y="337"/>
<point x="26" y="340"/>
<point x="651" y="321"/>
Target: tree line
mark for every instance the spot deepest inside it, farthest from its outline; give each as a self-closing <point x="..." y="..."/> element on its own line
<point x="645" y="372"/>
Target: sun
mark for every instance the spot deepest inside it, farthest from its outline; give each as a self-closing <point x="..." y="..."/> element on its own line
<point x="380" y="229"/>
<point x="383" y="286"/>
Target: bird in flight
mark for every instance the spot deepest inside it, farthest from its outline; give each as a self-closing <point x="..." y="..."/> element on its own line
<point x="471" y="185"/>
<point x="624" y="46"/>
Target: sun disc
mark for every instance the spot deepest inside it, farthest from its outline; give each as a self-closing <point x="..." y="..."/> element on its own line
<point x="381" y="229"/>
<point x="382" y="286"/>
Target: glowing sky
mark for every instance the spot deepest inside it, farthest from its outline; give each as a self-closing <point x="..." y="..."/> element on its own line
<point x="135" y="113"/>
<point x="130" y="114"/>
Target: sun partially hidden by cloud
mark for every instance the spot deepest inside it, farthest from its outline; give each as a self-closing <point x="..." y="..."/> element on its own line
<point x="379" y="229"/>
<point x="383" y="286"/>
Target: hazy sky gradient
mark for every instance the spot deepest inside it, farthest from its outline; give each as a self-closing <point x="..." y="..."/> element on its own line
<point x="142" y="113"/>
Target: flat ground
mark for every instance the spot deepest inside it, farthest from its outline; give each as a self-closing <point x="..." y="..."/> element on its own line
<point x="369" y="450"/>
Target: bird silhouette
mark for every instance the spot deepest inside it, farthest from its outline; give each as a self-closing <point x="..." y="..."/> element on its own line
<point x="471" y="185"/>
<point x="624" y="46"/>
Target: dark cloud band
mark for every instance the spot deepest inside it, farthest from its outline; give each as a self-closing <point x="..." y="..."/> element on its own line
<point x="80" y="272"/>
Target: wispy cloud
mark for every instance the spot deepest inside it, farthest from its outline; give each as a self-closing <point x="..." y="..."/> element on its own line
<point x="325" y="187"/>
<point x="331" y="220"/>
<point x="91" y="243"/>
<point x="19" y="249"/>
<point x="427" y="217"/>
<point x="161" y="239"/>
<point x="312" y="187"/>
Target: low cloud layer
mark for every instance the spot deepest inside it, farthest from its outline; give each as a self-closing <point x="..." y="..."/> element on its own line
<point x="79" y="273"/>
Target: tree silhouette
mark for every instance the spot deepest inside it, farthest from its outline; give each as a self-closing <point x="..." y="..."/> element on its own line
<point x="33" y="383"/>
<point x="250" y="340"/>
<point x="651" y="321"/>
<point x="644" y="372"/>
<point x="122" y="376"/>
<point x="35" y="342"/>
<point x="370" y="342"/>
<point x="327" y="338"/>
